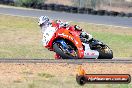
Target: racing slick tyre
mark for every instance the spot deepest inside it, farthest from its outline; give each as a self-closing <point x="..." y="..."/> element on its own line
<point x="105" y="53"/>
<point x="59" y="50"/>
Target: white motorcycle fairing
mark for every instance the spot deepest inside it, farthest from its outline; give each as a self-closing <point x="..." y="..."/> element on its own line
<point x="88" y="53"/>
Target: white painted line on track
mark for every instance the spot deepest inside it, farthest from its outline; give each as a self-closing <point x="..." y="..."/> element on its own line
<point x="17" y="15"/>
<point x="109" y="25"/>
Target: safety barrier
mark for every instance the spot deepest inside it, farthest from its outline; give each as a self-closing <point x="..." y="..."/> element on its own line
<point x="7" y="2"/>
<point x="69" y="9"/>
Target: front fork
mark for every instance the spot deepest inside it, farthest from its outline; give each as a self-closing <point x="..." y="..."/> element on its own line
<point x="64" y="45"/>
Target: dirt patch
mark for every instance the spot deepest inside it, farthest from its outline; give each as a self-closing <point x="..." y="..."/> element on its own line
<point x="16" y="72"/>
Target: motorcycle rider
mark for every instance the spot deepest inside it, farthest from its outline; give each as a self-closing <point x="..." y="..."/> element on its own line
<point x="44" y="22"/>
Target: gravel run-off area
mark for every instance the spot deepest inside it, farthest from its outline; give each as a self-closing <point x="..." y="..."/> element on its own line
<point x="10" y="72"/>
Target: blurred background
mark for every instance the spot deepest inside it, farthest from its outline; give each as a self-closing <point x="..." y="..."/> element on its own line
<point x="95" y="7"/>
<point x="109" y="5"/>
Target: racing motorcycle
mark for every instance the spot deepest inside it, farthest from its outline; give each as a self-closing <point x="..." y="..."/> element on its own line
<point x="68" y="45"/>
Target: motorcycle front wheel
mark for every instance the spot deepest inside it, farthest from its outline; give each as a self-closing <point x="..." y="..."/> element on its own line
<point x="58" y="48"/>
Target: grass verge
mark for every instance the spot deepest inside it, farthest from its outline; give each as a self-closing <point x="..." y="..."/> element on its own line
<point x="20" y="37"/>
<point x="46" y="75"/>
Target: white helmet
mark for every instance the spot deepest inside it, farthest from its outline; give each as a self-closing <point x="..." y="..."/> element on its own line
<point x="43" y="19"/>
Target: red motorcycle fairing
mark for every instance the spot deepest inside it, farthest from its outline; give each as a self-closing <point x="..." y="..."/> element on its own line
<point x="63" y="33"/>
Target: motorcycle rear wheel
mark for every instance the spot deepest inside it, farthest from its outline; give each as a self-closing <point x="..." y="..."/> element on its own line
<point x="105" y="53"/>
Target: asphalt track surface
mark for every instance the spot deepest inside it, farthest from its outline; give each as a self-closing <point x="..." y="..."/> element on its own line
<point x="68" y="61"/>
<point x="95" y="19"/>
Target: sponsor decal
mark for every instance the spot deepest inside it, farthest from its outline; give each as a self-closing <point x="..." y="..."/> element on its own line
<point x="62" y="34"/>
<point x="90" y="54"/>
<point x="107" y="78"/>
<point x="83" y="78"/>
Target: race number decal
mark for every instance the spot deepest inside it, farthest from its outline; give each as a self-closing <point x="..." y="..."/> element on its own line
<point x="49" y="32"/>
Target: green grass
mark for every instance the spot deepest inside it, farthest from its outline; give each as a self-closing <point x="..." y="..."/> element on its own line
<point x="120" y="44"/>
<point x="20" y="37"/>
<point x="45" y="75"/>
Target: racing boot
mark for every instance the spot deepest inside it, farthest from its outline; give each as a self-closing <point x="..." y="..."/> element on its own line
<point x="57" y="56"/>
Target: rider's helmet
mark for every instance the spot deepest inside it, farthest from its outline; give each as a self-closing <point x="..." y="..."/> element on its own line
<point x="43" y="20"/>
<point x="86" y="36"/>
